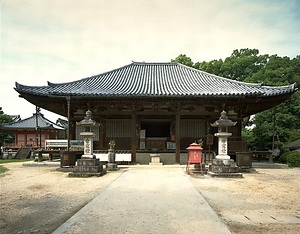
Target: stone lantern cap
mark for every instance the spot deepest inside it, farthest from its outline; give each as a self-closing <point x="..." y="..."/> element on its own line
<point x="88" y="121"/>
<point x="223" y="121"/>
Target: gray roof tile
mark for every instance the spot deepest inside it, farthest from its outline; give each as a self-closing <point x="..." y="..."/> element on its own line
<point x="155" y="80"/>
<point x="30" y="123"/>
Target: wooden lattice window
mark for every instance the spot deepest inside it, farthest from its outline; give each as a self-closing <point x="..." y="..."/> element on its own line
<point x="118" y="128"/>
<point x="192" y="128"/>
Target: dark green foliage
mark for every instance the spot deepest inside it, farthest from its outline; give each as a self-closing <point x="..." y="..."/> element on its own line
<point x="283" y="157"/>
<point x="3" y="161"/>
<point x="291" y="158"/>
<point x="287" y="126"/>
<point x="183" y="59"/>
<point x="3" y="169"/>
<point x="277" y="71"/>
<point x="4" y="118"/>
<point x="5" y="136"/>
<point x="249" y="66"/>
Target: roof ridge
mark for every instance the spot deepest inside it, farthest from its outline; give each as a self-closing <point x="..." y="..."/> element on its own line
<point x="154" y="63"/>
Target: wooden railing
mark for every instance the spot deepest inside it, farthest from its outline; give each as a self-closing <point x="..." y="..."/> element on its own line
<point x="55" y="144"/>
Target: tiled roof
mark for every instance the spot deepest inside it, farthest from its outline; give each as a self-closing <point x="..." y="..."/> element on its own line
<point x="30" y="123"/>
<point x="155" y="80"/>
<point x="293" y="145"/>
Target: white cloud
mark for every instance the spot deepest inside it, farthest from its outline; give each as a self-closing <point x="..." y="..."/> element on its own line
<point x="66" y="40"/>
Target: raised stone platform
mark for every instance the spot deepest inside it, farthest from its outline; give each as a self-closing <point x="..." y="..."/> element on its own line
<point x="226" y="175"/>
<point x="224" y="168"/>
<point x="112" y="167"/>
<point x="155" y="160"/>
<point x="87" y="167"/>
<point x="156" y="164"/>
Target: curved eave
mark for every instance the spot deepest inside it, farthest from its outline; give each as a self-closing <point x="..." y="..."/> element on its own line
<point x="155" y="80"/>
<point x="116" y="95"/>
<point x="269" y="93"/>
<point x="8" y="128"/>
<point x="35" y="90"/>
<point x="288" y="89"/>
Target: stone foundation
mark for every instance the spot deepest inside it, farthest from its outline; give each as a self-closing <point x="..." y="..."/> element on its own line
<point x="112" y="167"/>
<point x="224" y="168"/>
<point x="88" y="167"/>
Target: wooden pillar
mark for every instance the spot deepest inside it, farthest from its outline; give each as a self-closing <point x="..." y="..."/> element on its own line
<point x="133" y="138"/>
<point x="239" y="126"/>
<point x="177" y="138"/>
<point x="73" y="130"/>
<point x="69" y="120"/>
<point x="17" y="138"/>
<point x="102" y="132"/>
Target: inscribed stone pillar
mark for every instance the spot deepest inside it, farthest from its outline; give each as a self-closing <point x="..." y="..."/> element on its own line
<point x="88" y="144"/>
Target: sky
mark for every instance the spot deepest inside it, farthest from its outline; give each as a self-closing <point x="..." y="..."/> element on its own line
<point x="62" y="41"/>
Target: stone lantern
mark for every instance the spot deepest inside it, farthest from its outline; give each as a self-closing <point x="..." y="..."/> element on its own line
<point x="87" y="135"/>
<point x="222" y="165"/>
<point x="223" y="123"/>
<point x="88" y="165"/>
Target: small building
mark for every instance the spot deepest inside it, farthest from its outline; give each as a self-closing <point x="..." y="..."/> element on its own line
<point x="161" y="107"/>
<point x="33" y="131"/>
<point x="293" y="146"/>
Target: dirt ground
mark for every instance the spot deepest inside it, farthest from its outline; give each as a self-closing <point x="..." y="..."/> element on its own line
<point x="265" y="201"/>
<point x="40" y="199"/>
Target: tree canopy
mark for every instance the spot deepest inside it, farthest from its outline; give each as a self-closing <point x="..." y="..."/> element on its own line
<point x="4" y="135"/>
<point x="249" y="66"/>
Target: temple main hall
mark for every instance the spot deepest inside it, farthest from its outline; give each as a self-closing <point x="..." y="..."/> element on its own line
<point x="161" y="107"/>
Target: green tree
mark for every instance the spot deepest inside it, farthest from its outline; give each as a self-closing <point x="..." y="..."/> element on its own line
<point x="4" y="118"/>
<point x="277" y="71"/>
<point x="183" y="59"/>
<point x="213" y="67"/>
<point x="283" y="120"/>
<point x="242" y="63"/>
<point x="249" y="66"/>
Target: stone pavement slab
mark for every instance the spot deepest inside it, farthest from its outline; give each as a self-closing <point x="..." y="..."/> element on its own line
<point x="147" y="200"/>
<point x="258" y="218"/>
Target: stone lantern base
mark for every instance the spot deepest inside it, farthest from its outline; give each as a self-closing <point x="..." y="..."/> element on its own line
<point x="87" y="167"/>
<point x="224" y="168"/>
<point x="112" y="165"/>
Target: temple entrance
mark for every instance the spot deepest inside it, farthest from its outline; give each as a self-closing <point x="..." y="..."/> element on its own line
<point x="156" y="128"/>
<point x="155" y="134"/>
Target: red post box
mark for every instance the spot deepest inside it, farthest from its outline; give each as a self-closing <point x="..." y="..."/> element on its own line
<point x="194" y="157"/>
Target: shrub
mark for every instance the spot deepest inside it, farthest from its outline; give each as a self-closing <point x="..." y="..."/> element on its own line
<point x="283" y="157"/>
<point x="291" y="158"/>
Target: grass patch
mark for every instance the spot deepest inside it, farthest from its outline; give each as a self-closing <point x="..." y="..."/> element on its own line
<point x="2" y="161"/>
<point x="2" y="170"/>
